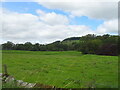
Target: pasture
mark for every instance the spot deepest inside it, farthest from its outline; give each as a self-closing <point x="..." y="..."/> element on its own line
<point x="63" y="69"/>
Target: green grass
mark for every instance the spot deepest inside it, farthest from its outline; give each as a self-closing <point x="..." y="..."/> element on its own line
<point x="68" y="69"/>
<point x="10" y="85"/>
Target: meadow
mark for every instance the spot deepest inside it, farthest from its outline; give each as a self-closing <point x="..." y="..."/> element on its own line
<point x="63" y="69"/>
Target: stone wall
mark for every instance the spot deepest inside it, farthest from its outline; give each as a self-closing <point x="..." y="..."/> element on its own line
<point x="20" y="83"/>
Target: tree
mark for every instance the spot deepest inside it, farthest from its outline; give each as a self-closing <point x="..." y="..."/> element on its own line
<point x="89" y="44"/>
<point x="19" y="47"/>
<point x="90" y="47"/>
<point x="28" y="46"/>
<point x="36" y="47"/>
<point x="8" y="46"/>
<point x="108" y="49"/>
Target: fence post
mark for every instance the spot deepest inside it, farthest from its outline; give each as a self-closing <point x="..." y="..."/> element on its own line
<point x="5" y="70"/>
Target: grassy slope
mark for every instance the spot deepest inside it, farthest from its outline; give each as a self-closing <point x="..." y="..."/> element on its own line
<point x="63" y="69"/>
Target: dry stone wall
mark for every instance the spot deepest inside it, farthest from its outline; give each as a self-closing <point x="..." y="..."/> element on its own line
<point x="20" y="83"/>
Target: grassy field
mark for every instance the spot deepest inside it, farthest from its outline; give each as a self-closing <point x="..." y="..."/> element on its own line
<point x="68" y="69"/>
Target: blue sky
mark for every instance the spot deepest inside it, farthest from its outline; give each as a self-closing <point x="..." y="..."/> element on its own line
<point x="31" y="7"/>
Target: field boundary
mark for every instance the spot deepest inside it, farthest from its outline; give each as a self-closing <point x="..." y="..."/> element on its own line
<point x="19" y="83"/>
<point x="6" y="78"/>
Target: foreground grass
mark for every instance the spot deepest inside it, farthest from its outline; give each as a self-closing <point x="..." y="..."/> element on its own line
<point x="10" y="85"/>
<point x="63" y="69"/>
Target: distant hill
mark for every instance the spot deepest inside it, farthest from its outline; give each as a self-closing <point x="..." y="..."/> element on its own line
<point x="72" y="38"/>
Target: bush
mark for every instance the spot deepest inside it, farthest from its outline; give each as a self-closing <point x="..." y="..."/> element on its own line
<point x="108" y="49"/>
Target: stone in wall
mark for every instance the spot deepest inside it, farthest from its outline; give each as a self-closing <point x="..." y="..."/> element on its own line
<point x="24" y="84"/>
<point x="0" y="74"/>
<point x="30" y="85"/>
<point x="9" y="79"/>
<point x="19" y="82"/>
<point x="0" y="77"/>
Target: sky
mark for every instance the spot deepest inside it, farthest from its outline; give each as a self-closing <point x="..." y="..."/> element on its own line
<point x="47" y="21"/>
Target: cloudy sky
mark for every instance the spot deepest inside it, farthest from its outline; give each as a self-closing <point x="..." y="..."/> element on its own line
<point x="46" y="21"/>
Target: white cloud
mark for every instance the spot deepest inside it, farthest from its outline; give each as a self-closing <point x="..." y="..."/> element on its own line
<point x="60" y="0"/>
<point x="93" y="9"/>
<point x="52" y="18"/>
<point x="27" y="27"/>
<point x="110" y="26"/>
<point x="49" y="27"/>
<point x="40" y="12"/>
<point x="76" y="0"/>
<point x="106" y="10"/>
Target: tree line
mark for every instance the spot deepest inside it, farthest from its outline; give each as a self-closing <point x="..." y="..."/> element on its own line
<point x="88" y="44"/>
